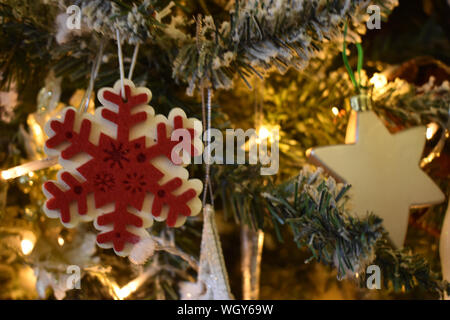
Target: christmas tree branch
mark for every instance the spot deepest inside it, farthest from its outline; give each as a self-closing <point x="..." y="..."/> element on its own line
<point x="313" y="206"/>
<point x="258" y="36"/>
<point x="264" y="34"/>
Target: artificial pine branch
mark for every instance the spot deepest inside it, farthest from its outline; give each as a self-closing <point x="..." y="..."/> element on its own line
<point x="259" y="35"/>
<point x="313" y="206"/>
<point x="262" y="35"/>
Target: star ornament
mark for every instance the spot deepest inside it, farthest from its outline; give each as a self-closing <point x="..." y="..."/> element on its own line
<point x="383" y="170"/>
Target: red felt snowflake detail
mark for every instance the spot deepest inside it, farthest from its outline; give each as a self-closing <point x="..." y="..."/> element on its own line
<point x="118" y="168"/>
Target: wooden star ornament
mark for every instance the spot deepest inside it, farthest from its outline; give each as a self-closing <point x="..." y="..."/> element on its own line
<point x="383" y="170"/>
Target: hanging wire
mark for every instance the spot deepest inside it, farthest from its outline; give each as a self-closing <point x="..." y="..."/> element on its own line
<point x="206" y="111"/>
<point x="356" y="84"/>
<point x="122" y="73"/>
<point x="133" y="61"/>
<point x="208" y="138"/>
<point x="94" y="72"/>
<point x="206" y="119"/>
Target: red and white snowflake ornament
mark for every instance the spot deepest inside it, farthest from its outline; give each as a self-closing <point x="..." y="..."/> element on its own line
<point x="118" y="168"/>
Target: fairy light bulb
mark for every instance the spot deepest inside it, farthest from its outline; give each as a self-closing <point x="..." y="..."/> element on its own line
<point x="13" y="173"/>
<point x="28" y="168"/>
<point x="335" y="111"/>
<point x="126" y="290"/>
<point x="268" y="133"/>
<point x="432" y="128"/>
<point x="263" y="133"/>
<point x="378" y="80"/>
<point x="27" y="246"/>
<point x="60" y="241"/>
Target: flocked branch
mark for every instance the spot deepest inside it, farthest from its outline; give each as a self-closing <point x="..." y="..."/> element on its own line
<point x="313" y="207"/>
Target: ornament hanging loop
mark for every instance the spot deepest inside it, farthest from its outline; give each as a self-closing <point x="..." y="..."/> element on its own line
<point x="121" y="70"/>
<point x="133" y="61"/>
<point x="94" y="73"/>
<point x="356" y="83"/>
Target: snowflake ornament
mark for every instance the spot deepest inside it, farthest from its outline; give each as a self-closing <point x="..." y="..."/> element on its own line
<point x="121" y="168"/>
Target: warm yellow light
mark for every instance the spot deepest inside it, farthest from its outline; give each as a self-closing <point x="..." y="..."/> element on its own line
<point x="38" y="133"/>
<point x="6" y="174"/>
<point x="263" y="133"/>
<point x="128" y="289"/>
<point x="31" y="174"/>
<point x="28" y="168"/>
<point x="266" y="132"/>
<point x="432" y="128"/>
<point x="27" y="246"/>
<point x="335" y="111"/>
<point x="60" y="241"/>
<point x="14" y="173"/>
<point x="378" y="80"/>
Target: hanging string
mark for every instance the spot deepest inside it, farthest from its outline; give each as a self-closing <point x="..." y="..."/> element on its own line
<point x="206" y="113"/>
<point x="206" y="118"/>
<point x="356" y="84"/>
<point x="122" y="73"/>
<point x="208" y="138"/>
<point x="133" y="61"/>
<point x="94" y="72"/>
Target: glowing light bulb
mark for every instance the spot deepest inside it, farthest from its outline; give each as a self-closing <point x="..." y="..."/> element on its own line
<point x="126" y="290"/>
<point x="267" y="132"/>
<point x="27" y="246"/>
<point x="28" y="168"/>
<point x="432" y="128"/>
<point x="61" y="241"/>
<point x="6" y="174"/>
<point x="14" y="172"/>
<point x="263" y="133"/>
<point x="335" y="111"/>
<point x="378" y="80"/>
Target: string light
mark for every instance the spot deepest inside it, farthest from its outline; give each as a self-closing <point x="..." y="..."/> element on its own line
<point x="60" y="241"/>
<point x="266" y="132"/>
<point x="263" y="133"/>
<point x="27" y="246"/>
<point x="132" y="286"/>
<point x="378" y="80"/>
<point x="27" y="168"/>
<point x="432" y="128"/>
<point x="125" y="291"/>
<point x="39" y="135"/>
<point x="335" y="111"/>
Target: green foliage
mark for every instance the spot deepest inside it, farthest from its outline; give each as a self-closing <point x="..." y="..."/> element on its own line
<point x="261" y="36"/>
<point x="313" y="207"/>
<point x="28" y="45"/>
<point x="402" y="269"/>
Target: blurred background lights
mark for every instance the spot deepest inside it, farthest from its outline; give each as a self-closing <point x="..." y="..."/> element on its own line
<point x="335" y="111"/>
<point x="378" y="80"/>
<point x="432" y="128"/>
<point x="27" y="246"/>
